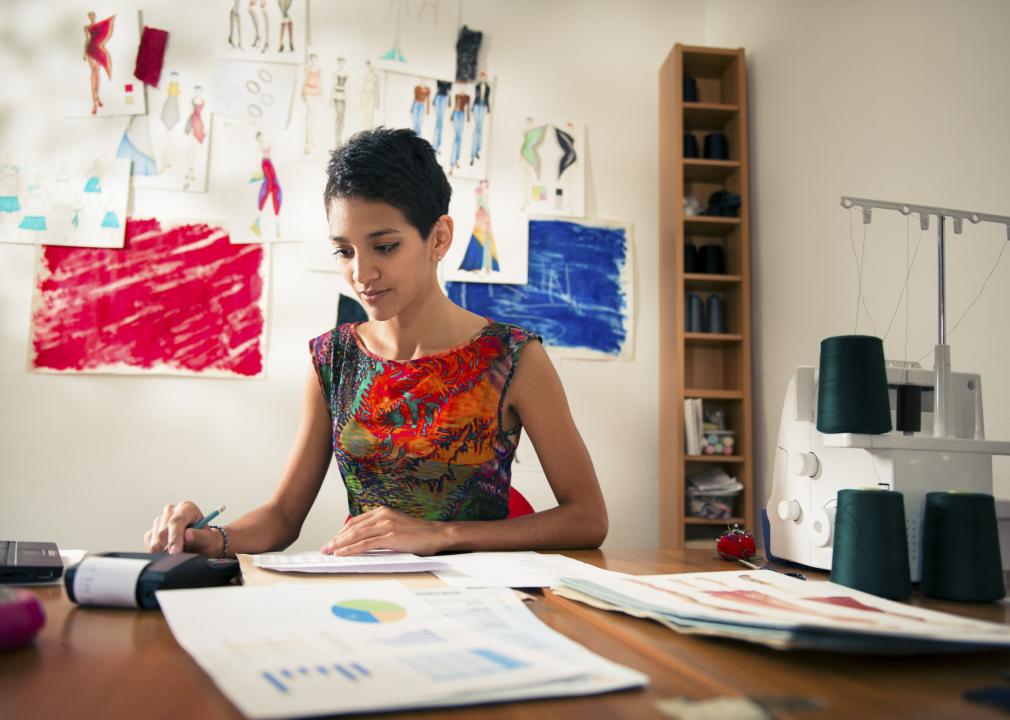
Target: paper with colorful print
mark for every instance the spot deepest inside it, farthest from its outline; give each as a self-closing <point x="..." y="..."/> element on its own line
<point x="552" y="163"/>
<point x="100" y="56"/>
<point x="264" y="30"/>
<point x="69" y="200"/>
<point x="580" y="293"/>
<point x="175" y="300"/>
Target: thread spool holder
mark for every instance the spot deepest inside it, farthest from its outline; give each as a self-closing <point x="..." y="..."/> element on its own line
<point x="942" y="426"/>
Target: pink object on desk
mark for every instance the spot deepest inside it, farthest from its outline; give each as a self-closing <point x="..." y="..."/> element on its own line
<point x="21" y="616"/>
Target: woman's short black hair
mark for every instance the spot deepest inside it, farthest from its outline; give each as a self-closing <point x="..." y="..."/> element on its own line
<point x="395" y="167"/>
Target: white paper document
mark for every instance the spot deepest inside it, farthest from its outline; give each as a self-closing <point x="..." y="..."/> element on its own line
<point x="294" y="650"/>
<point x="513" y="569"/>
<point x="370" y="562"/>
<point x="783" y="612"/>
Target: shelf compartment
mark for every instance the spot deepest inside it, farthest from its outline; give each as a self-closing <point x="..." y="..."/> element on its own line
<point x="709" y="171"/>
<point x="715" y="71"/>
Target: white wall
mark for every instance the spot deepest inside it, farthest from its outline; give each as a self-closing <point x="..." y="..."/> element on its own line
<point x="87" y="461"/>
<point x="902" y="100"/>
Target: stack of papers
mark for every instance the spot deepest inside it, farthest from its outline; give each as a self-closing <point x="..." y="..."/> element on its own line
<point x="295" y="650"/>
<point x="378" y="561"/>
<point x="783" y="612"/>
<point x="712" y="494"/>
<point x="693" y="425"/>
<point x="513" y="569"/>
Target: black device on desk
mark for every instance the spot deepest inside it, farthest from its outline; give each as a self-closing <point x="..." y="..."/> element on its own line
<point x="29" y="561"/>
<point x="163" y="572"/>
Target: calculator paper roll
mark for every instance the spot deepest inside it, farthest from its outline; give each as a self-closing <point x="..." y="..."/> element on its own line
<point x="108" y="581"/>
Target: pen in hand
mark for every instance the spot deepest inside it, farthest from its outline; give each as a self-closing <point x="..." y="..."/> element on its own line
<point x="208" y="517"/>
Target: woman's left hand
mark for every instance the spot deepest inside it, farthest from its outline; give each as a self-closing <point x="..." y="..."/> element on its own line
<point x="386" y="529"/>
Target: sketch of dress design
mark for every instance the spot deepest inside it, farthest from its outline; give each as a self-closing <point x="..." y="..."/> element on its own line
<point x="312" y="91"/>
<point x="196" y="129"/>
<point x="339" y="98"/>
<point x="369" y="96"/>
<point x="421" y="107"/>
<point x="481" y="108"/>
<point x="441" y="103"/>
<point x="460" y="114"/>
<point x="481" y="253"/>
<point x="10" y="187"/>
<point x="270" y="186"/>
<point x="93" y="185"/>
<point x="33" y="222"/>
<point x="235" y="25"/>
<point x="568" y="158"/>
<point x="170" y="110"/>
<point x="398" y="7"/>
<point x="136" y="147"/>
<point x="96" y="35"/>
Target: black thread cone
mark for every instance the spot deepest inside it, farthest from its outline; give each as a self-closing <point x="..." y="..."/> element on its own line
<point x="960" y="548"/>
<point x="852" y="387"/>
<point x="871" y="546"/>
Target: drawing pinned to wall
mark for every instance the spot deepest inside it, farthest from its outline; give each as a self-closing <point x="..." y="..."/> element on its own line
<point x="129" y="311"/>
<point x="580" y="291"/>
<point x="338" y="96"/>
<point x="62" y="200"/>
<point x="172" y="151"/>
<point x="254" y="92"/>
<point x="267" y="30"/>
<point x="453" y="117"/>
<point x="552" y="160"/>
<point x="312" y="92"/>
<point x="102" y="82"/>
<point x="271" y="191"/>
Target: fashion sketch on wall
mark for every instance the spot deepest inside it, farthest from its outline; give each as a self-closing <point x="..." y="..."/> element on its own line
<point x="169" y="148"/>
<point x="78" y="201"/>
<point x="552" y="167"/>
<point x="454" y="117"/>
<point x="265" y="30"/>
<point x="101" y="81"/>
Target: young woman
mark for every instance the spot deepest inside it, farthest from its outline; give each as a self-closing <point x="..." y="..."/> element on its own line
<point x="422" y="405"/>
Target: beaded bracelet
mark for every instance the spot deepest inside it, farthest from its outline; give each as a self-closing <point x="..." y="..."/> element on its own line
<point x="224" y="536"/>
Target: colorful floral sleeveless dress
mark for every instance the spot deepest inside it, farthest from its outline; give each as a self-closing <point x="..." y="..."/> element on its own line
<point x="423" y="436"/>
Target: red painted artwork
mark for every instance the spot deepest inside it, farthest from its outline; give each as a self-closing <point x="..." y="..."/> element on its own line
<point x="176" y="300"/>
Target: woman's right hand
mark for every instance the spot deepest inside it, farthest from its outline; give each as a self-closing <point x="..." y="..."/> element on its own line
<point x="171" y="532"/>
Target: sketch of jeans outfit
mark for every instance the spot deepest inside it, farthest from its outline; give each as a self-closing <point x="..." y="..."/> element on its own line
<point x="458" y="119"/>
<point x="417" y="114"/>
<point x="481" y="108"/>
<point x="441" y="103"/>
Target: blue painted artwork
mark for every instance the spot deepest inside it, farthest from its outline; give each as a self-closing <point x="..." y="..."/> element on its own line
<point x="578" y="294"/>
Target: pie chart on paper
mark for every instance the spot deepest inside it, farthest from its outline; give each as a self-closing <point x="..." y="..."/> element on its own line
<point x="369" y="611"/>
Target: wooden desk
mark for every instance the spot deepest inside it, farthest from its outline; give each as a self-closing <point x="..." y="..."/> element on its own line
<point x="110" y="664"/>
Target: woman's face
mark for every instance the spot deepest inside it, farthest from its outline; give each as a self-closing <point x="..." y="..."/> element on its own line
<point x="382" y="256"/>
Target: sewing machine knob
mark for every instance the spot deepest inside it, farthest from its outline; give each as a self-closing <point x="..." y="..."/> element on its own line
<point x="820" y="528"/>
<point x="790" y="510"/>
<point x="804" y="464"/>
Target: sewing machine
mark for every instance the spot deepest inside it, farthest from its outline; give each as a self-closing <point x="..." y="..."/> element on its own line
<point x="811" y="467"/>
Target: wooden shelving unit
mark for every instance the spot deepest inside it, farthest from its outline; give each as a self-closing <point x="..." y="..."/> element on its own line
<point x="710" y="366"/>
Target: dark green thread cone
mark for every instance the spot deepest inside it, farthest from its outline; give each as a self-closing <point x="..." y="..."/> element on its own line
<point x="871" y="546"/>
<point x="960" y="548"/>
<point x="852" y="386"/>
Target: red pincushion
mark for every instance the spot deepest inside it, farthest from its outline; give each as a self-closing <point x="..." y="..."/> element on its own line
<point x="735" y="543"/>
<point x="21" y="616"/>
